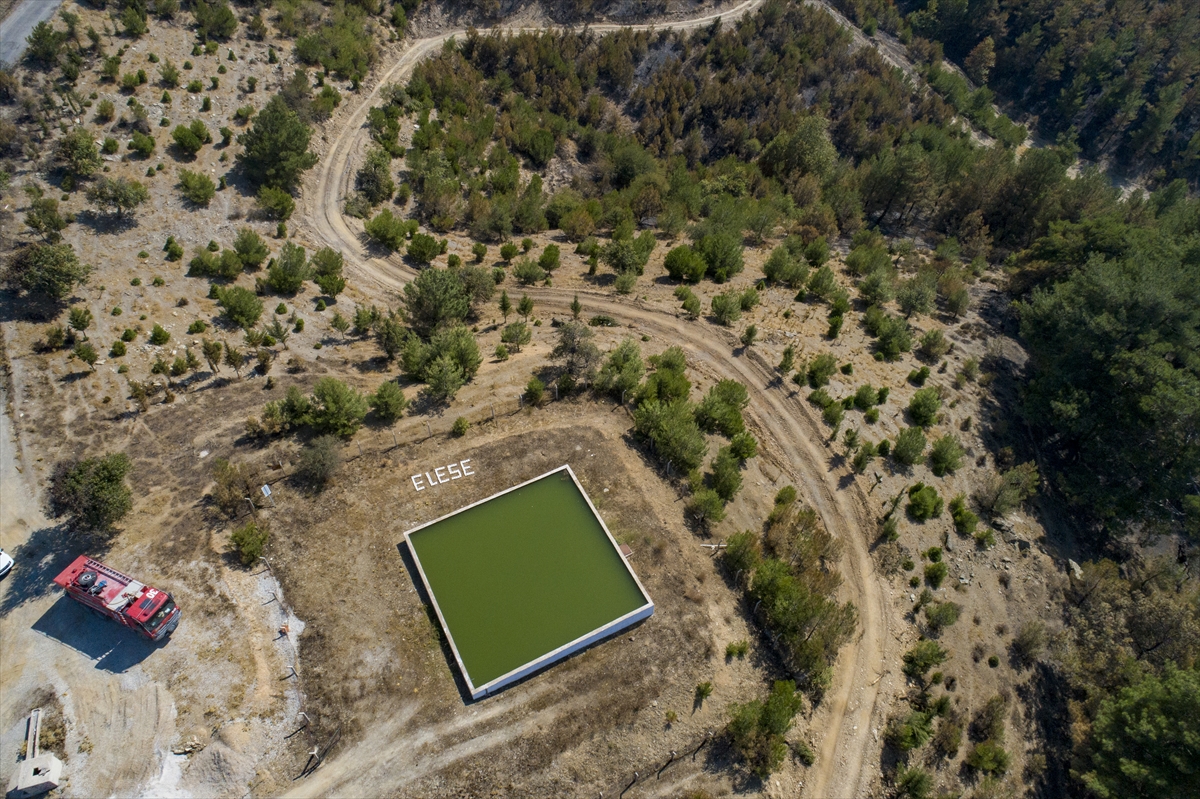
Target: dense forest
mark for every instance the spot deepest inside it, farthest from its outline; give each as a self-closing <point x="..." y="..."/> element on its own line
<point x="1115" y="79"/>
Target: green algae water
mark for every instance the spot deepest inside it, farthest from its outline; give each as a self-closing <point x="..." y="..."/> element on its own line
<point x="523" y="574"/>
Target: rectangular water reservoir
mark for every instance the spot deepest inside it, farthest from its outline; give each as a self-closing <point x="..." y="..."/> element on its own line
<point x="525" y="578"/>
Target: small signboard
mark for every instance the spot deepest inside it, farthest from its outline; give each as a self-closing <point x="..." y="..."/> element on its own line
<point x="266" y="491"/>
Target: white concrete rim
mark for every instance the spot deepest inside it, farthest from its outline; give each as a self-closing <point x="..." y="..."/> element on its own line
<point x="628" y="619"/>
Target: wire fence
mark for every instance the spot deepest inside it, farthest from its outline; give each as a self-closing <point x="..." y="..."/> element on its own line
<point x="653" y="771"/>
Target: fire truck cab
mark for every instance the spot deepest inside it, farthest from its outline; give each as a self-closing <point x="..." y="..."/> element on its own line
<point x="108" y="592"/>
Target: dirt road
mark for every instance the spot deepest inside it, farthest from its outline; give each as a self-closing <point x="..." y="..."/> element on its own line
<point x="789" y="431"/>
<point x="124" y="699"/>
<point x="19" y="23"/>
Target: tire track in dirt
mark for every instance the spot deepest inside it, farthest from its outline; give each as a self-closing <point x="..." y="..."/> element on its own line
<point x="781" y="419"/>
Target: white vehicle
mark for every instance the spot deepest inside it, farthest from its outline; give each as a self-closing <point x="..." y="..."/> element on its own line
<point x="6" y="563"/>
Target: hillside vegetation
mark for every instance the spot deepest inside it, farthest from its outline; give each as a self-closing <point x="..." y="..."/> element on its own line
<point x="730" y="132"/>
<point x="1113" y="79"/>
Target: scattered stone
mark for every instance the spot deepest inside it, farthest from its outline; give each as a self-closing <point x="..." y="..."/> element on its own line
<point x="1076" y="572"/>
<point x="190" y="748"/>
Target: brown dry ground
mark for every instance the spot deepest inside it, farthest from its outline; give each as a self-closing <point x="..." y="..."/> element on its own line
<point x="583" y="726"/>
<point x="373" y="656"/>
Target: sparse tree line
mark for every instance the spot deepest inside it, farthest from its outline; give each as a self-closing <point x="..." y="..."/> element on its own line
<point x="274" y="149"/>
<point x="1119" y="680"/>
<point x="790" y="576"/>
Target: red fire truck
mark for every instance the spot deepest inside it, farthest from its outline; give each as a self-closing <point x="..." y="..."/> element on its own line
<point x="106" y="591"/>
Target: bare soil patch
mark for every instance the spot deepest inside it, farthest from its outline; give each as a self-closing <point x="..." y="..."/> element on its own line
<point x="374" y="653"/>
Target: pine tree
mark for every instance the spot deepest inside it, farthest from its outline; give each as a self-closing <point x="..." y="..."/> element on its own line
<point x="234" y="358"/>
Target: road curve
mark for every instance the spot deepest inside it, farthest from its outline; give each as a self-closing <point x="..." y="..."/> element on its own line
<point x="784" y="423"/>
<point x="17" y="26"/>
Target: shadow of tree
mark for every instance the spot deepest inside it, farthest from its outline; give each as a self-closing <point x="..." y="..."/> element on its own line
<point x="40" y="559"/>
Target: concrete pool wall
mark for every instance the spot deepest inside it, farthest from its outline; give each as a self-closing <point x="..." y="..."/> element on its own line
<point x="574" y="551"/>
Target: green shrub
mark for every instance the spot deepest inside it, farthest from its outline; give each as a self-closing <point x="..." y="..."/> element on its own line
<point x="706" y="507"/>
<point x="821" y="369"/>
<point x="190" y="138"/>
<point x="935" y="574"/>
<point x="933" y="345"/>
<point x="726" y="474"/>
<point x="461" y="426"/>
<point x="173" y="249"/>
<point x="196" y="187"/>
<point x="924" y="406"/>
<point x="911" y="731"/>
<point x="423" y="248"/>
<point x="946" y="455"/>
<point x="942" y="614"/>
<point x="142" y="144"/>
<point x="757" y="728"/>
<point x="989" y="756"/>
<point x="159" y="336"/>
<point x="910" y="445"/>
<point x="388" y="230"/>
<point x="684" y="263"/>
<point x="923" y="502"/>
<point x="388" y="402"/>
<point x="528" y="272"/>
<point x="865" y="398"/>
<point x="964" y="520"/>
<point x="911" y="781"/>
<point x="535" y="391"/>
<point x="737" y="649"/>
<point x="922" y="657"/>
<point x="240" y="306"/>
<point x="275" y="203"/>
<point x="833" y="414"/>
<point x="250" y="540"/>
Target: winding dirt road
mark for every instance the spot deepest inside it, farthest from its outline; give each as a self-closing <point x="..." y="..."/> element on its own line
<point x="790" y="433"/>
